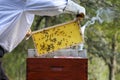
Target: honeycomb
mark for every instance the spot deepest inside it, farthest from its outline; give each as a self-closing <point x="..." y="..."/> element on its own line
<point x="57" y="37"/>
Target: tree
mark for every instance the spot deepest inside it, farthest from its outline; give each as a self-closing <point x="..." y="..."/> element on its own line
<point x="103" y="41"/>
<point x="104" y="44"/>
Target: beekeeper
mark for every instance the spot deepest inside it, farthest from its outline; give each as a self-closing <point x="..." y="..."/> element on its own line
<point x="16" y="17"/>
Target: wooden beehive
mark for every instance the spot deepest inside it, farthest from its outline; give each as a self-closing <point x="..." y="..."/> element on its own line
<point x="57" y="37"/>
<point x="57" y="69"/>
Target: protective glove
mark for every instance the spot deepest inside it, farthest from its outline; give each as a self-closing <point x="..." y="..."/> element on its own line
<point x="28" y="34"/>
<point x="75" y="8"/>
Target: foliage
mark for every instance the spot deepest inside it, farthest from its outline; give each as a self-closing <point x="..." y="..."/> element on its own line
<point x="15" y="62"/>
<point x="97" y="72"/>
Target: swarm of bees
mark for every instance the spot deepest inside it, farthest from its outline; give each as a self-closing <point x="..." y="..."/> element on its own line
<point x="57" y="37"/>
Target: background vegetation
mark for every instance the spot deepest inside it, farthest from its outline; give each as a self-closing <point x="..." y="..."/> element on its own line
<point x="102" y="42"/>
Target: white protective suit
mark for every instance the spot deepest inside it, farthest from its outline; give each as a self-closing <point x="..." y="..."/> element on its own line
<point x="16" y="17"/>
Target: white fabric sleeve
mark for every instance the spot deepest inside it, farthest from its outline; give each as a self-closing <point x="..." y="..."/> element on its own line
<point x="74" y="8"/>
<point x="45" y="7"/>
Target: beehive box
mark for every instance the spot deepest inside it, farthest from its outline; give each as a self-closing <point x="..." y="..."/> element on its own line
<point x="57" y="69"/>
<point x="57" y="37"/>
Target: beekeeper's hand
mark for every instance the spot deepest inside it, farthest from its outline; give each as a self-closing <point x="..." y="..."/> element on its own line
<point x="28" y="34"/>
<point x="75" y="8"/>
